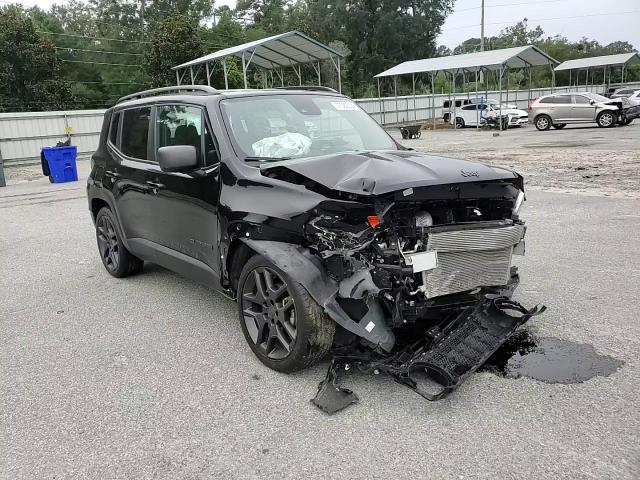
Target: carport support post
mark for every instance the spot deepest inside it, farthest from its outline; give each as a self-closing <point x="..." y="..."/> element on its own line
<point x="413" y="79"/>
<point x="453" y="89"/>
<point x="529" y="92"/>
<point x="244" y="71"/>
<point x="380" y="103"/>
<point x="586" y="80"/>
<point x="3" y="182"/>
<point x="433" y="101"/>
<point x="192" y="79"/>
<point x="177" y="78"/>
<point x="208" y="75"/>
<point x="477" y="111"/>
<point x="500" y="90"/>
<point x="395" y="94"/>
<point x="339" y="77"/>
<point x="224" y="68"/>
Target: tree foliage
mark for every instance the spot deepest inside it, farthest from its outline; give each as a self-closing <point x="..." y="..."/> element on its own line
<point x="95" y="51"/>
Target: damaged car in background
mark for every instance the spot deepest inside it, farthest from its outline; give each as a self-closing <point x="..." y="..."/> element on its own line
<point x="331" y="236"/>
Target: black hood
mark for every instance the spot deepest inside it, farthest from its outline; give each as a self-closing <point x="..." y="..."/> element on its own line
<point x="376" y="173"/>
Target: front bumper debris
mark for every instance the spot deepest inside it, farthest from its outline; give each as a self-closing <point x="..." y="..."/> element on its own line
<point x="436" y="366"/>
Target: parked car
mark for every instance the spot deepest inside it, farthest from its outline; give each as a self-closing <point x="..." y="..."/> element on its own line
<point x="476" y="114"/>
<point x="634" y="98"/>
<point x="623" y="92"/>
<point x="298" y="205"/>
<point x="560" y="109"/>
<point x="448" y="107"/>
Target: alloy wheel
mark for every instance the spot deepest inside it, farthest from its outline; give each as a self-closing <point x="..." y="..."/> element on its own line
<point x="108" y="243"/>
<point x="269" y="313"/>
<point x="542" y="123"/>
<point x="606" y="119"/>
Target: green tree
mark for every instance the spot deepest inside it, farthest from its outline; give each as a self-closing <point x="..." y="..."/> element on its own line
<point x="176" y="41"/>
<point x="28" y="67"/>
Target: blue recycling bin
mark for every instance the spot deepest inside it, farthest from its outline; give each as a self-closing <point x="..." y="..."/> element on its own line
<point x="59" y="163"/>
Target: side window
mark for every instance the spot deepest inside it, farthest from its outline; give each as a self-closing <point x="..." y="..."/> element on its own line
<point x="562" y="99"/>
<point x="113" y="132"/>
<point x="580" y="99"/>
<point x="184" y="125"/>
<point x="469" y="107"/>
<point x="547" y="100"/>
<point x="135" y="132"/>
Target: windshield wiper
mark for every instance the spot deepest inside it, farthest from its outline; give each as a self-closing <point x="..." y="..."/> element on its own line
<point x="265" y="159"/>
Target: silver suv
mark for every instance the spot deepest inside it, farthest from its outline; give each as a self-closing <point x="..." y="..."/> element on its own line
<point x="560" y="109"/>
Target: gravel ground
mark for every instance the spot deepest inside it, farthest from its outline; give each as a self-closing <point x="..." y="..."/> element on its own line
<point x="150" y="377"/>
<point x="578" y="159"/>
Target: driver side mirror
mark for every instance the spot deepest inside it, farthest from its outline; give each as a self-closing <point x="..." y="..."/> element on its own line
<point x="177" y="158"/>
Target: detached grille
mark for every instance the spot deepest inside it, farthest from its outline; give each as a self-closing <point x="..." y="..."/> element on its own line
<point x="468" y="259"/>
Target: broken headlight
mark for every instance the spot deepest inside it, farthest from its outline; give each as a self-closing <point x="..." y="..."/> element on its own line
<point x="518" y="204"/>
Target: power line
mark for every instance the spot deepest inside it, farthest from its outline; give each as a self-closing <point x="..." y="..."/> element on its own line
<point x="508" y="5"/>
<point x="101" y="63"/>
<point x="92" y="38"/>
<point x="97" y="51"/>
<point x="546" y="19"/>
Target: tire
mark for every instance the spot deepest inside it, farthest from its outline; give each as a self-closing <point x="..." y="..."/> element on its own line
<point x="405" y="133"/>
<point x="543" y="122"/>
<point x="459" y="122"/>
<point x="269" y="320"/>
<point x="118" y="261"/>
<point x="559" y="126"/>
<point x="446" y="117"/>
<point x="606" y="119"/>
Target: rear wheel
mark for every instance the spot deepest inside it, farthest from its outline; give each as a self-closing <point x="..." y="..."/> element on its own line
<point x="543" y="122"/>
<point x="118" y="261"/>
<point x="285" y="328"/>
<point x="606" y="119"/>
<point x="559" y="126"/>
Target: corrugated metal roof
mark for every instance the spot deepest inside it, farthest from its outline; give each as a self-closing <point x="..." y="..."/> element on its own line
<point x="282" y="50"/>
<point x="602" y="61"/>
<point x="516" y="57"/>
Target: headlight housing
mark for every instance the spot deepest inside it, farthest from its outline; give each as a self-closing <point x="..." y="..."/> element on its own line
<point x="518" y="204"/>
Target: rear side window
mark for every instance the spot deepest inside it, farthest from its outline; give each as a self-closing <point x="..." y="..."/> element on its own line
<point x="562" y="99"/>
<point x="113" y="133"/>
<point x="470" y="107"/>
<point x="547" y="100"/>
<point x="135" y="132"/>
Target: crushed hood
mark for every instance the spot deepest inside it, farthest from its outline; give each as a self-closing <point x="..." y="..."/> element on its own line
<point x="376" y="173"/>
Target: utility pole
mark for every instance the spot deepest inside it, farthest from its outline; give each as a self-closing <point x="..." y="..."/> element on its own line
<point x="482" y="28"/>
<point x="481" y="38"/>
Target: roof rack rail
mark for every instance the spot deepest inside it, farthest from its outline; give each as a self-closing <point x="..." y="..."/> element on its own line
<point x="312" y="88"/>
<point x="168" y="90"/>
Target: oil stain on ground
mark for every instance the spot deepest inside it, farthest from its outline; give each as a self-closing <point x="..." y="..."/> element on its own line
<point x="549" y="360"/>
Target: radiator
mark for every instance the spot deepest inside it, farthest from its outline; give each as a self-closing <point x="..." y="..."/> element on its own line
<point x="467" y="259"/>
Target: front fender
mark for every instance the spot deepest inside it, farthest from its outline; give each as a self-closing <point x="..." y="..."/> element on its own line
<point x="304" y="267"/>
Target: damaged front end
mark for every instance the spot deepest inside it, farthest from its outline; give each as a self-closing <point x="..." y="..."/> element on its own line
<point x="419" y="279"/>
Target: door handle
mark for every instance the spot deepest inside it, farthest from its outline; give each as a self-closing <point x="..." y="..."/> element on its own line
<point x="111" y="174"/>
<point x="155" y="186"/>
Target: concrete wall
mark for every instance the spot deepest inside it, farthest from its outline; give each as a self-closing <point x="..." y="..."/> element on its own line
<point x="22" y="134"/>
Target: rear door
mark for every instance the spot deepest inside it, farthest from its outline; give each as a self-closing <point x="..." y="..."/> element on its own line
<point x="562" y="108"/>
<point x="131" y="149"/>
<point x="185" y="207"/>
<point x="582" y="109"/>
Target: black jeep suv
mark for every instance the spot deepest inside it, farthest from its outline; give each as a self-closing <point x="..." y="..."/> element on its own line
<point x="301" y="207"/>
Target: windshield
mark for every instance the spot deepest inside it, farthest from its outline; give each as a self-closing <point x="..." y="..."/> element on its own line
<point x="294" y="126"/>
<point x="596" y="97"/>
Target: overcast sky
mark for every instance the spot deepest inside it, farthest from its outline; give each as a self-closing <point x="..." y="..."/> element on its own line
<point x="596" y="19"/>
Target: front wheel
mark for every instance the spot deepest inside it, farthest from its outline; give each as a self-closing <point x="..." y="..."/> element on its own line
<point x="284" y="327"/>
<point x="606" y="119"/>
<point x="543" y="122"/>
<point x="459" y="122"/>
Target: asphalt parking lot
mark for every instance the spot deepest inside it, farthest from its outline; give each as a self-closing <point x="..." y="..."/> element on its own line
<point x="150" y="377"/>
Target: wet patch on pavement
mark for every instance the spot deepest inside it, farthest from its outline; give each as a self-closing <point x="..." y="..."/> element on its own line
<point x="549" y="360"/>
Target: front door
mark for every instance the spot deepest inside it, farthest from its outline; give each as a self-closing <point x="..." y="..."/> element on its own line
<point x="185" y="209"/>
<point x="583" y="110"/>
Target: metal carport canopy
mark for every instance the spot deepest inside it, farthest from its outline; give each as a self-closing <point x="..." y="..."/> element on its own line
<point x="632" y="58"/>
<point x="283" y="50"/>
<point x="516" y="57"/>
